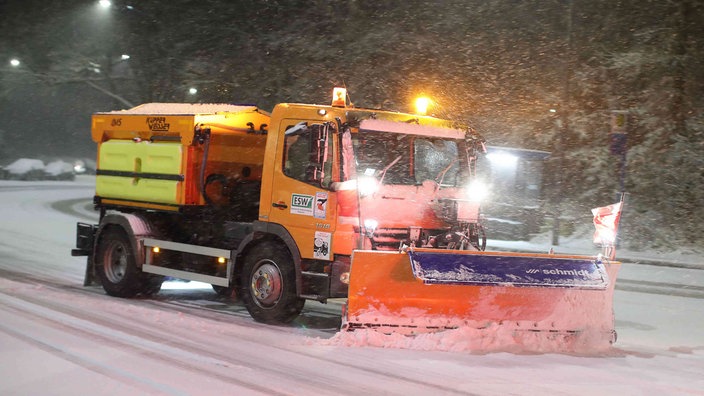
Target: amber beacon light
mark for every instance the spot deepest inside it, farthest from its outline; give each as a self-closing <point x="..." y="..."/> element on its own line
<point x="422" y="105"/>
<point x="339" y="96"/>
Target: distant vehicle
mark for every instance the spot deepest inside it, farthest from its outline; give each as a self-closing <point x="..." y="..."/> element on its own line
<point x="59" y="170"/>
<point x="515" y="209"/>
<point x="84" y="166"/>
<point x="24" y="169"/>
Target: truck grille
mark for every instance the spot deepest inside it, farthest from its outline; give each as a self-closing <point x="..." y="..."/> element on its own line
<point x="389" y="238"/>
<point x="454" y="210"/>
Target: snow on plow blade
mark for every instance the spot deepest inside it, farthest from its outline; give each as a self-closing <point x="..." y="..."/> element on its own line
<point x="430" y="290"/>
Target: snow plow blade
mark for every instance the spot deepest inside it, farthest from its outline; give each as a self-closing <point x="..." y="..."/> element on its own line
<point x="429" y="290"/>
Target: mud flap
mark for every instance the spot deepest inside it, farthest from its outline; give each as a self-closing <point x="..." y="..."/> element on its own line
<point x="85" y="240"/>
<point x="89" y="277"/>
<point x="432" y="290"/>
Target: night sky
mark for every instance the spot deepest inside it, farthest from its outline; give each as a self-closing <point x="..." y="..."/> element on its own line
<point x="529" y="74"/>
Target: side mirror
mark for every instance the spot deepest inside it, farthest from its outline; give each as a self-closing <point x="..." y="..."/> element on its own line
<point x="320" y="138"/>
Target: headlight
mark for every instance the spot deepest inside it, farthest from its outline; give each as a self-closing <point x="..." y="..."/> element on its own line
<point x="502" y="159"/>
<point x="79" y="167"/>
<point x="370" y="226"/>
<point x="367" y="185"/>
<point x="477" y="191"/>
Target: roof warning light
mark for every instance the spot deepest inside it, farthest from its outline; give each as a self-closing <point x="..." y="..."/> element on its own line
<point x="339" y="96"/>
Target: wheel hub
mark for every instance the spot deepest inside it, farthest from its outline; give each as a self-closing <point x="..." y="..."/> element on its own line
<point x="266" y="285"/>
<point x="116" y="264"/>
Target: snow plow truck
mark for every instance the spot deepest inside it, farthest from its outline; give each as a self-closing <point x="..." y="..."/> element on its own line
<point x="315" y="202"/>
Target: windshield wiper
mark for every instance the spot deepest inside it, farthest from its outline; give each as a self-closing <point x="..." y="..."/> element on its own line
<point x="442" y="173"/>
<point x="383" y="173"/>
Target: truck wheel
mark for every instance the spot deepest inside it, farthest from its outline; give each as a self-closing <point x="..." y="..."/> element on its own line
<point x="269" y="285"/>
<point x="116" y="266"/>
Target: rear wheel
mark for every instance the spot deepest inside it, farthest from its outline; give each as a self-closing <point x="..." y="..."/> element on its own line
<point x="116" y="266"/>
<point x="269" y="284"/>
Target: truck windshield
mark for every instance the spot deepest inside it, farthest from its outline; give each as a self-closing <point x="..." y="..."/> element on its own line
<point x="409" y="159"/>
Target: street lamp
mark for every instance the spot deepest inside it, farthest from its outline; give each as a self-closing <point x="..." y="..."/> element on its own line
<point x="14" y="62"/>
<point x="105" y="3"/>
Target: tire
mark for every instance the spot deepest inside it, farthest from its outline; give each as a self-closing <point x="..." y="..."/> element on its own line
<point x="116" y="266"/>
<point x="268" y="287"/>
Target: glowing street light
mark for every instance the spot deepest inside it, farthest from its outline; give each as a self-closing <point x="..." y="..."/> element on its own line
<point x="105" y="3"/>
<point x="192" y="91"/>
<point x="14" y="62"/>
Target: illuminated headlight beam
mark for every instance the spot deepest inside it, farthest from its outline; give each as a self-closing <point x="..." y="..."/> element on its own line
<point x="367" y="185"/>
<point x="370" y="226"/>
<point x="477" y="191"/>
<point x="503" y="159"/>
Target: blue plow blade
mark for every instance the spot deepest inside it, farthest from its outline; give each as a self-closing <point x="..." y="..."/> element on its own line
<point x="509" y="270"/>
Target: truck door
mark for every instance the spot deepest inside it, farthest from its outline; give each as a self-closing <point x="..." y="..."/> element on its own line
<point x="301" y="197"/>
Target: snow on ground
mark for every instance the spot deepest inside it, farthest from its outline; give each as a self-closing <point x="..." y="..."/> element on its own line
<point x="59" y="338"/>
<point x="24" y="165"/>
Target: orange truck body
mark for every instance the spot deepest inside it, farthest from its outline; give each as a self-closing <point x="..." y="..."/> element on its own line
<point x="306" y="202"/>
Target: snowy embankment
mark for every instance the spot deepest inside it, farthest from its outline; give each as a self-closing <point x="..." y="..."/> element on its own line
<point x="581" y="243"/>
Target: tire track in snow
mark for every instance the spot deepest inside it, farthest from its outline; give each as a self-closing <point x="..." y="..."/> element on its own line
<point x="197" y="311"/>
<point x="93" y="365"/>
<point x="80" y="208"/>
<point x="84" y="325"/>
<point x="296" y="356"/>
<point x="660" y="288"/>
<point x="144" y="337"/>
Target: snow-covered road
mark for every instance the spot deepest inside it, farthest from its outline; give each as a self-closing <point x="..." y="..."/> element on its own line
<point x="59" y="338"/>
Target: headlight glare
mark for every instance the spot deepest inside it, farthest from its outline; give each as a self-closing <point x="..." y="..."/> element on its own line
<point x="477" y="191"/>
